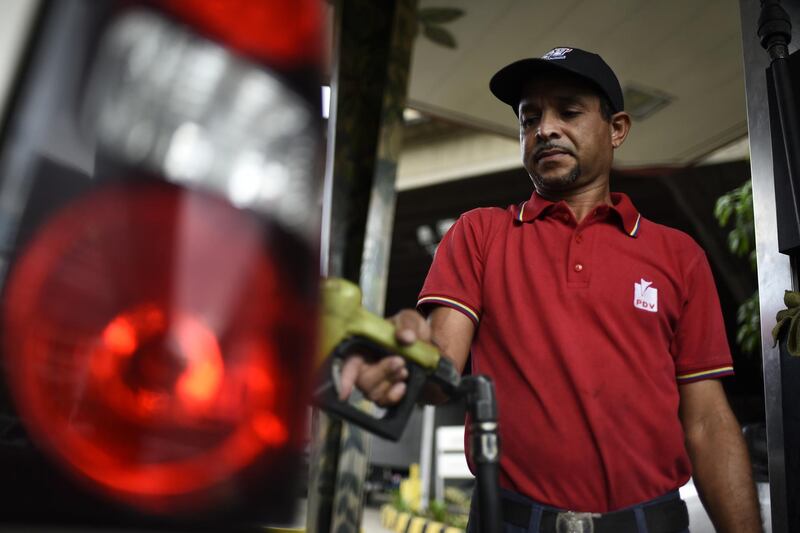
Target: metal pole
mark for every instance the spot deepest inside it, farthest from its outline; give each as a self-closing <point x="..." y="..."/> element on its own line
<point x="774" y="269"/>
<point x="426" y="454"/>
<point x="775" y="32"/>
<point x="368" y="92"/>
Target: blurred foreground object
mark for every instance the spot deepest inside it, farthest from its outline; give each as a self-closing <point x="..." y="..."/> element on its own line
<point x="159" y="316"/>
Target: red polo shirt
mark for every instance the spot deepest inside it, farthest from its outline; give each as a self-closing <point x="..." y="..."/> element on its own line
<point x="586" y="330"/>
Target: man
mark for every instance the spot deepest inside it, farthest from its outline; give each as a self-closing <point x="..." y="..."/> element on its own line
<point x="601" y="330"/>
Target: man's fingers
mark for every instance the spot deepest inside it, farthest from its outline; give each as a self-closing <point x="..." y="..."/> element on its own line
<point x="396" y="393"/>
<point x="374" y="379"/>
<point x="389" y="369"/>
<point x="378" y="393"/>
<point x="390" y="387"/>
<point x="350" y="371"/>
<point x="411" y="327"/>
<point x="387" y="393"/>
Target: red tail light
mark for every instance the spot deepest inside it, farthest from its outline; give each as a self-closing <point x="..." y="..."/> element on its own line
<point x="159" y="330"/>
<point x="156" y="342"/>
<point x="278" y="31"/>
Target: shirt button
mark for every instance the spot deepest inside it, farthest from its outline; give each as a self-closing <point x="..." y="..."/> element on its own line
<point x="579" y="239"/>
<point x="578" y="267"/>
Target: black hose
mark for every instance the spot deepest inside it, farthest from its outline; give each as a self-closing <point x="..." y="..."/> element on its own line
<point x="485" y="450"/>
<point x="490" y="520"/>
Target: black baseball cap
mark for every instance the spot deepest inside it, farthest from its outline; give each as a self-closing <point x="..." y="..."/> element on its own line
<point x="507" y="83"/>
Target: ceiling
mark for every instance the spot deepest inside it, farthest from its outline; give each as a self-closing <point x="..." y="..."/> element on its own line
<point x="689" y="49"/>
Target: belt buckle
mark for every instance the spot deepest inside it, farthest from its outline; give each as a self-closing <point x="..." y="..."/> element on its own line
<point x="572" y="522"/>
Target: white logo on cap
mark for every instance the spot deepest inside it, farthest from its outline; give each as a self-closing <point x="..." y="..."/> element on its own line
<point x="557" y="53"/>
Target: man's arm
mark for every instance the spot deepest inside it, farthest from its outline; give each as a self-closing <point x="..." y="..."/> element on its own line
<point x="452" y="333"/>
<point x="719" y="458"/>
<point x="383" y="381"/>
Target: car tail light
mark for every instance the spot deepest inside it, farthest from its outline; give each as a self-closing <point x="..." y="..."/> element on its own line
<point x="159" y="329"/>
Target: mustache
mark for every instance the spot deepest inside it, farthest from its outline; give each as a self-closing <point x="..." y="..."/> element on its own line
<point x="549" y="146"/>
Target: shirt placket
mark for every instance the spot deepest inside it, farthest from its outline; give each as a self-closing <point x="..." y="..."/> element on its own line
<point x="580" y="261"/>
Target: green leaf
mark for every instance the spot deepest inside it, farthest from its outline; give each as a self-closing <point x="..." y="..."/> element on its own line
<point x="748" y="335"/>
<point x="734" y="241"/>
<point x="741" y="335"/>
<point x="438" y="510"/>
<point x="439" y="15"/>
<point x="723" y="210"/>
<point x="742" y="209"/>
<point x="440" y="36"/>
<point x="742" y="313"/>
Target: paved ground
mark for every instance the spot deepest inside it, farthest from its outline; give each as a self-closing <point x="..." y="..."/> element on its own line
<point x="371" y="522"/>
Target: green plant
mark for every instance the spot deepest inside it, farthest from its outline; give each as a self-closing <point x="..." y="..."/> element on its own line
<point x="440" y="511"/>
<point x="399" y="503"/>
<point x="458" y="499"/>
<point x="453" y="511"/>
<point x="735" y="208"/>
<point x="437" y="510"/>
<point x="738" y="204"/>
<point x="749" y="333"/>
<point x="431" y="19"/>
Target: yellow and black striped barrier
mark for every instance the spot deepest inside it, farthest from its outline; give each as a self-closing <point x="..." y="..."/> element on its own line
<point x="403" y="522"/>
<point x="273" y="529"/>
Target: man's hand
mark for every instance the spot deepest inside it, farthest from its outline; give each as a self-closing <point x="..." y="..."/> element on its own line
<point x="383" y="380"/>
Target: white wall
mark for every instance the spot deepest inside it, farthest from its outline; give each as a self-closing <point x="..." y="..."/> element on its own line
<point x="16" y="17"/>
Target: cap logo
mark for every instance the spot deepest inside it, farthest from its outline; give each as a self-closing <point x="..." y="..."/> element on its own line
<point x="557" y="53"/>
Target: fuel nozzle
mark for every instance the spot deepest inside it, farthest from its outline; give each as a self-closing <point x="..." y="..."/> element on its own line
<point x="348" y="328"/>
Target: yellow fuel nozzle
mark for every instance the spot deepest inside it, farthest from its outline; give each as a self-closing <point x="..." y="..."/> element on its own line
<point x="349" y="328"/>
<point x="343" y="318"/>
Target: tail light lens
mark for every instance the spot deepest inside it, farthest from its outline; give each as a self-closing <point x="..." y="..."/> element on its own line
<point x="163" y="98"/>
<point x="159" y="330"/>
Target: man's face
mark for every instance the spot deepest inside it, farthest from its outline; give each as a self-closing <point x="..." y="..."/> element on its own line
<point x="565" y="141"/>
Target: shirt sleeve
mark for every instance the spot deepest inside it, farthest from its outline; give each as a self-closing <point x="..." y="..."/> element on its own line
<point x="454" y="279"/>
<point x="700" y="346"/>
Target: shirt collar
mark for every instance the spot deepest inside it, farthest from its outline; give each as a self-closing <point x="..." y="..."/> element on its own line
<point x="536" y="207"/>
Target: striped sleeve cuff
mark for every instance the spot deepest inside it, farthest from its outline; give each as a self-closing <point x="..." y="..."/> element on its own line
<point x="711" y="373"/>
<point x="450" y="302"/>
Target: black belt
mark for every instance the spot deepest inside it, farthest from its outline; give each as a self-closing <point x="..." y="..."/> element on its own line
<point x="663" y="517"/>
